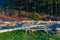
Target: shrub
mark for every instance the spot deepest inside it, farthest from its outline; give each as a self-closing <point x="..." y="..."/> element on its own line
<point x="35" y="16"/>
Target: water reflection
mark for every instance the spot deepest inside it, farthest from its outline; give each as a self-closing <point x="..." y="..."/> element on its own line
<point x="12" y="25"/>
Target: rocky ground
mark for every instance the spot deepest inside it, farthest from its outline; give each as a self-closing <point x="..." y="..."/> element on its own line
<point x="12" y="18"/>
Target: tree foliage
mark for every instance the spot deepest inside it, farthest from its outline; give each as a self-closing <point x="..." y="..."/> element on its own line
<point x="35" y="16"/>
<point x="30" y="5"/>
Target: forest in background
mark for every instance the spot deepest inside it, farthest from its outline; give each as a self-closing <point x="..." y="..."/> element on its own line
<point x="44" y="7"/>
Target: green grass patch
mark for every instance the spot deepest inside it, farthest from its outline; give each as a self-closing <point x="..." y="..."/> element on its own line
<point x="22" y="35"/>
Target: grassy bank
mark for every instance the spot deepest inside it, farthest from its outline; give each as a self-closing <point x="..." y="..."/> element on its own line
<point x="21" y="35"/>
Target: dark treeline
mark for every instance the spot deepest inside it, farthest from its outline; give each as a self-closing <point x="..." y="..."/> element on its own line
<point x="47" y="6"/>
